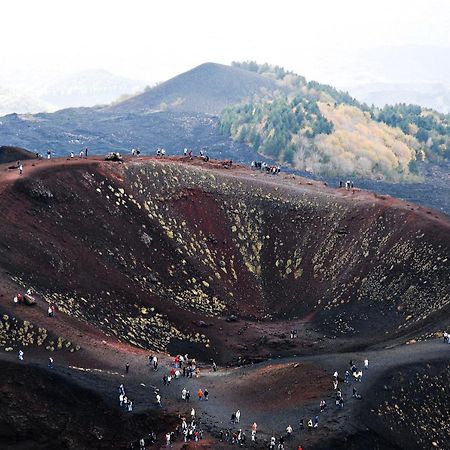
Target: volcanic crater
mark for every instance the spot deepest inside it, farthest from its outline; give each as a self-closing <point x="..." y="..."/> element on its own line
<point x="174" y="255"/>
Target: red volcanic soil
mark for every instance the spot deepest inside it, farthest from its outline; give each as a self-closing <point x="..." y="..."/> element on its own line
<point x="182" y="256"/>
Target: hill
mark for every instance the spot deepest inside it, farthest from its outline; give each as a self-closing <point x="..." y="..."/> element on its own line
<point x="12" y="154"/>
<point x="208" y="88"/>
<point x="319" y="129"/>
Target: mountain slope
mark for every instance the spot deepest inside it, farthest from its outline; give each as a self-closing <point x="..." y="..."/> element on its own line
<point x="315" y="127"/>
<point x="12" y="154"/>
<point x="208" y="88"/>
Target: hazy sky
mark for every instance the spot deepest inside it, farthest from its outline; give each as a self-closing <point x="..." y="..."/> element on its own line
<point x="153" y="40"/>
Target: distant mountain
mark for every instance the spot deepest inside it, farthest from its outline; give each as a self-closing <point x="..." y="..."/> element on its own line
<point x="89" y="88"/>
<point x="208" y="88"/>
<point x="15" y="101"/>
<point x="434" y="96"/>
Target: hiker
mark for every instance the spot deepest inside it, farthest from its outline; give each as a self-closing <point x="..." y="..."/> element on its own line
<point x="347" y="377"/>
<point x="130" y="406"/>
<point x="169" y="379"/>
<point x="310" y="424"/>
<point x="163" y="152"/>
<point x="121" y="399"/>
<point x="192" y="413"/>
<point x="127" y="367"/>
<point x="158" y="400"/>
<point x="205" y="394"/>
<point x="141" y="444"/>
<point x="188" y="396"/>
<point x="214" y="366"/>
<point x="323" y="405"/>
<point x="200" y="394"/>
<point x="253" y="436"/>
<point x="164" y="380"/>
<point x="71" y="155"/>
<point x="233" y="417"/>
<point x="50" y="362"/>
<point x="288" y="431"/>
<point x="366" y="364"/>
<point x="20" y="354"/>
<point x="316" y="421"/>
<point x="183" y="394"/>
<point x="238" y="416"/>
<point x="335" y="384"/>
<point x="20" y="169"/>
<point x="168" y="440"/>
<point x="81" y="153"/>
<point x="53" y="308"/>
<point x="121" y="389"/>
<point x="155" y="363"/>
<point x="185" y="151"/>
<point x="86" y="152"/>
<point x="272" y="443"/>
<point x="49" y="154"/>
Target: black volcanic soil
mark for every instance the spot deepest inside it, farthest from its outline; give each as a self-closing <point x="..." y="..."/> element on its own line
<point x="40" y="409"/>
<point x="184" y="256"/>
<point x="10" y="154"/>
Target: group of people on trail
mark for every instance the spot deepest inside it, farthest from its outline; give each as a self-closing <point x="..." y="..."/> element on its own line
<point x="189" y="430"/>
<point x="83" y="154"/>
<point x="150" y="439"/>
<point x="153" y="362"/>
<point x="348" y="185"/>
<point x="233" y="437"/>
<point x="236" y="416"/>
<point x="264" y="167"/>
<point x="160" y="152"/>
<point x="124" y="401"/>
<point x="201" y="154"/>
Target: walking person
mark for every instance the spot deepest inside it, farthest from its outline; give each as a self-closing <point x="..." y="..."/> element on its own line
<point x="20" y="355"/>
<point x="50" y="362"/>
<point x="127" y="367"/>
<point x="20" y="169"/>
